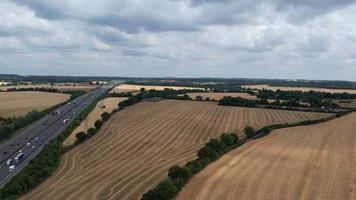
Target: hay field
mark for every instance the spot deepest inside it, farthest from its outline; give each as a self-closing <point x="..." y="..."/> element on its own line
<point x="20" y="103"/>
<point x="105" y="105"/>
<point x="133" y="88"/>
<point x="315" y="162"/>
<point x="217" y="95"/>
<point x="304" y="89"/>
<point x="134" y="150"/>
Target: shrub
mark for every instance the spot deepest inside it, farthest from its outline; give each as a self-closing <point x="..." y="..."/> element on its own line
<point x="98" y="124"/>
<point x="179" y="172"/>
<point x="81" y="136"/>
<point x="105" y="116"/>
<point x="249" y="132"/>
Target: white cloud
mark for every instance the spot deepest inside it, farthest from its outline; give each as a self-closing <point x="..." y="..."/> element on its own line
<point x="271" y="39"/>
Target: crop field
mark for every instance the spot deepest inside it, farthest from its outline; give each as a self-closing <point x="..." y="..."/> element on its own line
<point x="105" y="105"/>
<point x="20" y="103"/>
<point x="304" y="89"/>
<point x="349" y="103"/>
<point x="217" y="95"/>
<point x="133" y="88"/>
<point x="314" y="162"/>
<point x="59" y="86"/>
<point x="135" y="148"/>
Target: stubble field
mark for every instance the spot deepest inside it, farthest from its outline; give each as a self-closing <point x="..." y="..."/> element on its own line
<point x="135" y="148"/>
<point x="219" y="95"/>
<point x="133" y="88"/>
<point x="304" y="89"/>
<point x="105" y="105"/>
<point x="315" y="162"/>
<point x="20" y="103"/>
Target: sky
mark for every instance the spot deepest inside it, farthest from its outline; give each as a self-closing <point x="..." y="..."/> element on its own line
<point x="291" y="39"/>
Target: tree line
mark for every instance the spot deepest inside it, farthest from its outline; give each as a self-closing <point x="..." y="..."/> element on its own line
<point x="178" y="176"/>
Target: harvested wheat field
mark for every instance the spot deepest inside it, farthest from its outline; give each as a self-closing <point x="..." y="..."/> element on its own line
<point x="105" y="105"/>
<point x="217" y="95"/>
<point x="134" y="149"/>
<point x="20" y="103"/>
<point x="133" y="88"/>
<point x="315" y="162"/>
<point x="304" y="89"/>
<point x="59" y="86"/>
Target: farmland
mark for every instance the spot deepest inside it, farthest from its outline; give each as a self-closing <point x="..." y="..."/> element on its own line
<point x="105" y="105"/>
<point x="309" y="162"/>
<point x="304" y="89"/>
<point x="19" y="103"/>
<point x="134" y="149"/>
<point x="63" y="87"/>
<point x="217" y="96"/>
<point x="133" y="88"/>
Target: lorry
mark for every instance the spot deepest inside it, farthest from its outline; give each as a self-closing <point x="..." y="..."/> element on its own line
<point x="19" y="158"/>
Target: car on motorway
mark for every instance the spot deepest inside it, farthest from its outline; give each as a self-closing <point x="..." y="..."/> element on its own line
<point x="8" y="162"/>
<point x="33" y="148"/>
<point x="12" y="168"/>
<point x="65" y="120"/>
<point x="28" y="144"/>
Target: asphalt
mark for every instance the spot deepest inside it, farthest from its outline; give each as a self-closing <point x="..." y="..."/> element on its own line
<point x="32" y="140"/>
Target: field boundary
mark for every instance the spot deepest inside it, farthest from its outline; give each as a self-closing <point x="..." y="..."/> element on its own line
<point x="178" y="176"/>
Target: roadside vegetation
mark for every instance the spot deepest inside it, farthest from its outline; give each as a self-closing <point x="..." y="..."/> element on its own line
<point x="178" y="176"/>
<point x="46" y="162"/>
<point x="9" y="126"/>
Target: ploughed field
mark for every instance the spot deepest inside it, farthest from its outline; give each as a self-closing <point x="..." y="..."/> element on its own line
<point x="219" y="95"/>
<point x="135" y="148"/>
<point x="316" y="162"/>
<point x="20" y="103"/>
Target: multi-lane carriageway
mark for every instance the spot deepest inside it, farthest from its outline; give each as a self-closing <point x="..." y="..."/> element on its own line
<point x="32" y="140"/>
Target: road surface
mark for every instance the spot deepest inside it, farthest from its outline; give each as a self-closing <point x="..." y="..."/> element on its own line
<point x="32" y="140"/>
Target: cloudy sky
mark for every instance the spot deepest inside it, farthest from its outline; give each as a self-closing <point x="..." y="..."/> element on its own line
<point x="312" y="39"/>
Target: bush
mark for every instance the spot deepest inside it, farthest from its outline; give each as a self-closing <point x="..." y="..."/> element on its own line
<point x="105" y="116"/>
<point x="91" y="131"/>
<point x="194" y="166"/>
<point x="98" y="124"/>
<point x="179" y="172"/>
<point x="207" y="153"/>
<point x="249" y="132"/>
<point x="81" y="136"/>
<point x="164" y="191"/>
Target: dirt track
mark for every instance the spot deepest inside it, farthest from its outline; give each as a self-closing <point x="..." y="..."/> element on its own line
<point x="306" y="163"/>
<point x="134" y="150"/>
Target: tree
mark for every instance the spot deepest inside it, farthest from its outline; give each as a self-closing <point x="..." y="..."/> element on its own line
<point x="228" y="139"/>
<point x="208" y="153"/>
<point x="249" y="132"/>
<point x="105" y="116"/>
<point x="199" y="98"/>
<point x="179" y="172"/>
<point x="216" y="145"/>
<point x="81" y="136"/>
<point x="91" y="131"/>
<point x="142" y="89"/>
<point x="98" y="124"/>
<point x="194" y="166"/>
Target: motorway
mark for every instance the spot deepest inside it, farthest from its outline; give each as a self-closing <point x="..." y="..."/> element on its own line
<point x="32" y="140"/>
